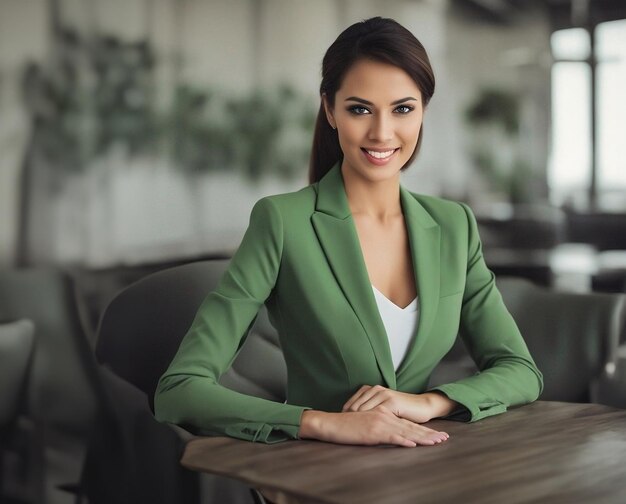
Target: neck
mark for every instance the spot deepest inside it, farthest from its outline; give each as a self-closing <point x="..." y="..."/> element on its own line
<point x="376" y="199"/>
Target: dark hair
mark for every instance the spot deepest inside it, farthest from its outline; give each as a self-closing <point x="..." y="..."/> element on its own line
<point x="379" y="39"/>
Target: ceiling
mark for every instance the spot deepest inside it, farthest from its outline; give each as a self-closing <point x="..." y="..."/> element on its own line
<point x="562" y="13"/>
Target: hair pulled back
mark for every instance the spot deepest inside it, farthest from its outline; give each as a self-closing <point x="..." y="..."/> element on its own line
<point x="378" y="39"/>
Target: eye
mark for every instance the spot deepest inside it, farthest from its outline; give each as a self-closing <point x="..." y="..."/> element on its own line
<point x="406" y="107"/>
<point x="355" y="109"/>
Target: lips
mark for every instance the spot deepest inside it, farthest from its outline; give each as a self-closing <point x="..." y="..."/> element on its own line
<point x="379" y="157"/>
<point x="380" y="153"/>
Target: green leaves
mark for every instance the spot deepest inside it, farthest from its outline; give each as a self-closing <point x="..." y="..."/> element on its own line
<point x="495" y="106"/>
<point x="98" y="94"/>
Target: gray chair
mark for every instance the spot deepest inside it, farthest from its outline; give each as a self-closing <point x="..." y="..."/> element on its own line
<point x="142" y="327"/>
<point x="20" y="449"/>
<point x="16" y="348"/>
<point x="573" y="338"/>
<point x="61" y="391"/>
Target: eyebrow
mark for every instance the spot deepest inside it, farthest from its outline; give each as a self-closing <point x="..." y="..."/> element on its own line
<point x="366" y="102"/>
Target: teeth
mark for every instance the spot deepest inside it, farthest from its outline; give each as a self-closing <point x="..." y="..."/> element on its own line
<point x="380" y="155"/>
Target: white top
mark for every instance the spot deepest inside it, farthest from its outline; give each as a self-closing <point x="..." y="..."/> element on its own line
<point x="400" y="324"/>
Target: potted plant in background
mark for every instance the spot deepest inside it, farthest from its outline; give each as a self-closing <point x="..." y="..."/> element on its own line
<point x="513" y="215"/>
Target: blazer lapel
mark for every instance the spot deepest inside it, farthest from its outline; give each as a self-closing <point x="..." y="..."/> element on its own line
<point x="424" y="239"/>
<point x="337" y="235"/>
<point x="336" y="232"/>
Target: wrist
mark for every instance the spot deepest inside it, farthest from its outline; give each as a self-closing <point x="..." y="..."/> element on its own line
<point x="440" y="405"/>
<point x="311" y="424"/>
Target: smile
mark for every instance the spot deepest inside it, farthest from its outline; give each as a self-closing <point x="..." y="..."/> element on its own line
<point x="379" y="157"/>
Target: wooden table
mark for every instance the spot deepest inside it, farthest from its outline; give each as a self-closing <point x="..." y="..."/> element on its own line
<point x="543" y="452"/>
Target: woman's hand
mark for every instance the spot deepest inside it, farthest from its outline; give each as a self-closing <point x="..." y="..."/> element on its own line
<point x="418" y="408"/>
<point x="376" y="426"/>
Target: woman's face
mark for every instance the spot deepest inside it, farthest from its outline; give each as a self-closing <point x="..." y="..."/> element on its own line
<point x="378" y="115"/>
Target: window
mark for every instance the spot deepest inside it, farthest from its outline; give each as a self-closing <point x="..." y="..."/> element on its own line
<point x="611" y="51"/>
<point x="570" y="165"/>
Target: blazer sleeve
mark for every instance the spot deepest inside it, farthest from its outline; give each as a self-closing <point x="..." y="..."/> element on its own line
<point x="188" y="393"/>
<point x="507" y="373"/>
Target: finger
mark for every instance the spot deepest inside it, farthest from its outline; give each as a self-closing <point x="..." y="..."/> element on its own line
<point x="438" y="437"/>
<point x="354" y="397"/>
<point x="425" y="435"/>
<point x="397" y="439"/>
<point x="427" y="439"/>
<point x="423" y="428"/>
<point x="357" y="398"/>
<point x="363" y="398"/>
<point x="371" y="403"/>
<point x="367" y="395"/>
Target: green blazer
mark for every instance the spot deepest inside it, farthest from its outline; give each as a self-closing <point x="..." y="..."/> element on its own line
<point x="301" y="256"/>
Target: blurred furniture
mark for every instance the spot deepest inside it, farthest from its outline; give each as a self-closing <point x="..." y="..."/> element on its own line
<point x="16" y="348"/>
<point x="531" y="241"/>
<point x="573" y="338"/>
<point x="611" y="387"/>
<point x="533" y="265"/>
<point x="605" y="231"/>
<point x="141" y="329"/>
<point x="611" y="271"/>
<point x="97" y="286"/>
<point x="20" y="449"/>
<point x="568" y="266"/>
<point x="60" y="395"/>
<point x="540" y="452"/>
<point x="131" y="458"/>
<point x="521" y="226"/>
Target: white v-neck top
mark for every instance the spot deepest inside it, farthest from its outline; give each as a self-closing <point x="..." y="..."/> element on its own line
<point x="400" y="324"/>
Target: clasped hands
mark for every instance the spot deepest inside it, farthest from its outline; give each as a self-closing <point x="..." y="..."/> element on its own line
<point x="378" y="415"/>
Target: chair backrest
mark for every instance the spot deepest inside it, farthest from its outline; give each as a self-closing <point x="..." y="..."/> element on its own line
<point x="61" y="383"/>
<point x="571" y="336"/>
<point x="142" y="327"/>
<point x="16" y="347"/>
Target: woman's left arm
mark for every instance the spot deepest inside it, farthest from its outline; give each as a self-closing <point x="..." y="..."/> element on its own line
<point x="508" y="374"/>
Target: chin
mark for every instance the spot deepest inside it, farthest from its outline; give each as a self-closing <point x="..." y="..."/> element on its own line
<point x="374" y="173"/>
<point x="377" y="173"/>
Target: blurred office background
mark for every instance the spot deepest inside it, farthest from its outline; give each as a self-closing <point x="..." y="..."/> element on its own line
<point x="136" y="135"/>
<point x="142" y="132"/>
<point x="129" y="129"/>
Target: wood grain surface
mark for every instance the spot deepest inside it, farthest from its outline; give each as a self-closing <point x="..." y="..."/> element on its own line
<point x="543" y="452"/>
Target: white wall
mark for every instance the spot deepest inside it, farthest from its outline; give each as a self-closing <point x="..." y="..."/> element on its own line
<point x="23" y="36"/>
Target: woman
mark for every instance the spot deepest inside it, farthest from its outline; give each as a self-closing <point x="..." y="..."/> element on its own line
<point x="342" y="265"/>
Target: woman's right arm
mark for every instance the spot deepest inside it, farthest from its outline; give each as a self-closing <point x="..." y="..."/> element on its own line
<point x="188" y="393"/>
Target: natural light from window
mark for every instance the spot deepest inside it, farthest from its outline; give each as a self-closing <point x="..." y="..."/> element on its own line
<point x="569" y="169"/>
<point x="570" y="157"/>
<point x="611" y="51"/>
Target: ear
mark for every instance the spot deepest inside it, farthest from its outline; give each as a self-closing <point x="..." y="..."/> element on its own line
<point x="329" y="112"/>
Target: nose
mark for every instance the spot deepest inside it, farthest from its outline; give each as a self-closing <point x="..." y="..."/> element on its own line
<point x="381" y="128"/>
